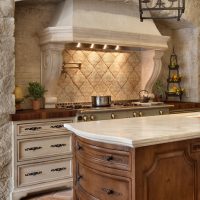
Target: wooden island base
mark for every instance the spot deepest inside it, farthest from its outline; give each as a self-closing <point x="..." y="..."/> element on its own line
<point x="168" y="171"/>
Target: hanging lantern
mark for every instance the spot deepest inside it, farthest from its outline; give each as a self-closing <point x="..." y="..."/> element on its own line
<point x="174" y="9"/>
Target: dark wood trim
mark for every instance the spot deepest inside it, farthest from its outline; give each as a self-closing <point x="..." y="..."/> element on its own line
<point x="42" y="114"/>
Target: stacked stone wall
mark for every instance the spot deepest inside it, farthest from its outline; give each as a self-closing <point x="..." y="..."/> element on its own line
<point x="7" y="67"/>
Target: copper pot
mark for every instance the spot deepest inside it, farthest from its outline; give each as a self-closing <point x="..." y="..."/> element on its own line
<point x="101" y="101"/>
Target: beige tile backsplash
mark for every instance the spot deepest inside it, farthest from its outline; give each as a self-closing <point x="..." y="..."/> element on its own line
<point x="101" y="73"/>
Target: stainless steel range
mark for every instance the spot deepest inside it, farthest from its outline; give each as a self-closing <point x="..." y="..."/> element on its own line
<point x="85" y="112"/>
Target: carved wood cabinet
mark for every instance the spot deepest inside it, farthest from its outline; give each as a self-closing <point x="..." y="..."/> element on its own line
<point x="168" y="171"/>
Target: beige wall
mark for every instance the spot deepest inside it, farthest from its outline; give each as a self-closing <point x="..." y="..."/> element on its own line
<point x="102" y="73"/>
<point x="30" y="21"/>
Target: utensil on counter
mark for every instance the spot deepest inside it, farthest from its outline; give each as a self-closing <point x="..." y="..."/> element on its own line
<point x="101" y="101"/>
<point x="144" y="96"/>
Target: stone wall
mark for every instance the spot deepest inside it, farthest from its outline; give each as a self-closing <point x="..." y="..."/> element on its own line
<point x="7" y="65"/>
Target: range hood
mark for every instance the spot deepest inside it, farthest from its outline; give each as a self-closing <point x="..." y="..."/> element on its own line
<point x="102" y="22"/>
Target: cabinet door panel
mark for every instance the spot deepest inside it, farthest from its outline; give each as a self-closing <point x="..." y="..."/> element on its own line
<point x="166" y="172"/>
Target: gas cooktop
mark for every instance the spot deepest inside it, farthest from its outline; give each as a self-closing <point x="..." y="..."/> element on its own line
<point x="83" y="106"/>
<point x="114" y="105"/>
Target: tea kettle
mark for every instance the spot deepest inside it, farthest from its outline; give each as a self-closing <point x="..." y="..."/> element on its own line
<point x="144" y="96"/>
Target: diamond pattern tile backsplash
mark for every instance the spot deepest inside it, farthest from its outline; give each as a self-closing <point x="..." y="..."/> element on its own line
<point x="101" y="73"/>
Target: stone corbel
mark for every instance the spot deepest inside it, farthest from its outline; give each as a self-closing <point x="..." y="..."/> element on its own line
<point x="51" y="66"/>
<point x="156" y="70"/>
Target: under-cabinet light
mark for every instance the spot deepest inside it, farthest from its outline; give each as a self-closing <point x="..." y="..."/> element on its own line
<point x="117" y="47"/>
<point x="105" y="46"/>
<point x="78" y="45"/>
<point x="92" y="46"/>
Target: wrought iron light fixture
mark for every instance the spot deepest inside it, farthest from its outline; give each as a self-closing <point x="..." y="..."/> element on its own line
<point x="175" y="7"/>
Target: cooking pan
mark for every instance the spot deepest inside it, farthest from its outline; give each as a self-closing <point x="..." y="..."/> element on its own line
<point x="101" y="101"/>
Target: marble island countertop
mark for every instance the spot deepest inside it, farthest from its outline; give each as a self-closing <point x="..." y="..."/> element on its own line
<point x="144" y="131"/>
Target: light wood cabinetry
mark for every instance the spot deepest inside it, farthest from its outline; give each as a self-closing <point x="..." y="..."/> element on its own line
<point x="42" y="157"/>
<point x="164" y="171"/>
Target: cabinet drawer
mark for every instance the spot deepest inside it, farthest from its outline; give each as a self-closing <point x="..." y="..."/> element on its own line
<point x="103" y="156"/>
<point x="44" y="172"/>
<point x="101" y="185"/>
<point x="43" y="147"/>
<point x="38" y="128"/>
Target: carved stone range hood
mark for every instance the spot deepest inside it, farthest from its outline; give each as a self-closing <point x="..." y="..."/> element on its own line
<point x="100" y="22"/>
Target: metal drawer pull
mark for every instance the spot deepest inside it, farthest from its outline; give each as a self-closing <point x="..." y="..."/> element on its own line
<point x="58" y="169"/>
<point x="58" y="126"/>
<point x="33" y="148"/>
<point x="78" y="147"/>
<point x="79" y="178"/>
<point x="58" y="145"/>
<point x="33" y="173"/>
<point x="108" y="191"/>
<point x="111" y="192"/>
<point x="33" y="129"/>
<point x="109" y="158"/>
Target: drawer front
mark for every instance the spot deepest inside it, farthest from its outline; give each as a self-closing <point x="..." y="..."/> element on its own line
<point x="38" y="128"/>
<point x="103" y="186"/>
<point x="103" y="156"/>
<point x="43" y="147"/>
<point x="44" y="172"/>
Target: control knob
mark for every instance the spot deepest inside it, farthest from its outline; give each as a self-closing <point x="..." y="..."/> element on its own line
<point x="85" y="118"/>
<point x="112" y="116"/>
<point x="161" y="112"/>
<point x="92" y="117"/>
<point x="140" y="114"/>
<point x="134" y="114"/>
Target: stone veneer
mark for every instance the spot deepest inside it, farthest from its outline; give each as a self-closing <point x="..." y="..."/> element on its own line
<point x="7" y="64"/>
<point x="101" y="73"/>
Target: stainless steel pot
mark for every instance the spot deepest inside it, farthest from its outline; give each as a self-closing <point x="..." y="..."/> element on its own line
<point x="101" y="101"/>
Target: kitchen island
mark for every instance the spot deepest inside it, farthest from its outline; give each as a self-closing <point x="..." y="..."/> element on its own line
<point x="149" y="158"/>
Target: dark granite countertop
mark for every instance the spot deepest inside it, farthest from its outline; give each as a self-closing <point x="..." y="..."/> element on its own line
<point x="42" y="114"/>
